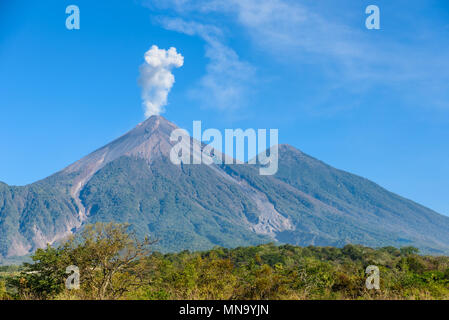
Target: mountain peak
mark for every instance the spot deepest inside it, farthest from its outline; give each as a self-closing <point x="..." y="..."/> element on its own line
<point x="148" y="140"/>
<point x="140" y="141"/>
<point x="154" y="122"/>
<point x="152" y="125"/>
<point x="307" y="202"/>
<point x="288" y="148"/>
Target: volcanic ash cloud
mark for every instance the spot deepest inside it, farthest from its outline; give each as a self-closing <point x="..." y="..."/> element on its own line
<point x="156" y="78"/>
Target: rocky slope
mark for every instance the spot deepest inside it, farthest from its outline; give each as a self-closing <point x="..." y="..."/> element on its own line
<point x="200" y="206"/>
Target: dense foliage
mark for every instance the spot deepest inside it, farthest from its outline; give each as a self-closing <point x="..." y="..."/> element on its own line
<point x="105" y="256"/>
<point x="114" y="265"/>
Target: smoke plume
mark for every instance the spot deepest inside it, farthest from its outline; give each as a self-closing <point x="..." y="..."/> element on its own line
<point x="156" y="78"/>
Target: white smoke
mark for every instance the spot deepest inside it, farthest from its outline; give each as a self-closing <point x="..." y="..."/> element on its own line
<point x="156" y="78"/>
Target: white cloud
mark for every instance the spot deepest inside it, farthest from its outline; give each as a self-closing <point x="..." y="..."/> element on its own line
<point x="289" y="31"/>
<point x="326" y="36"/>
<point x="225" y="84"/>
<point x="156" y="78"/>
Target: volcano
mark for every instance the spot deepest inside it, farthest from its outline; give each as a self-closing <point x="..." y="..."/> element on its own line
<point x="196" y="207"/>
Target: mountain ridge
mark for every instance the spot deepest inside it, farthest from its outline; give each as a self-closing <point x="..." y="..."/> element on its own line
<point x="196" y="207"/>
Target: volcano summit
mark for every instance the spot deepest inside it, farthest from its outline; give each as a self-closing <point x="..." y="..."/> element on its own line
<point x="199" y="206"/>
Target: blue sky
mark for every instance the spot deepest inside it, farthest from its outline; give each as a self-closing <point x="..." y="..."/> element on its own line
<point x="372" y="102"/>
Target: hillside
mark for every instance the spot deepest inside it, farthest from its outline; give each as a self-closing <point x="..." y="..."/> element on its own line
<point x="197" y="207"/>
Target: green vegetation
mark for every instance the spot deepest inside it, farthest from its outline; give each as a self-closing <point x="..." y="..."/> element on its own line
<point x="113" y="264"/>
<point x="105" y="255"/>
<point x="6" y="273"/>
<point x="199" y="207"/>
<point x="186" y="208"/>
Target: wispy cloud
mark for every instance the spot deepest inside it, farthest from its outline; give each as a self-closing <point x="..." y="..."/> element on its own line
<point x="297" y="33"/>
<point x="226" y="83"/>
